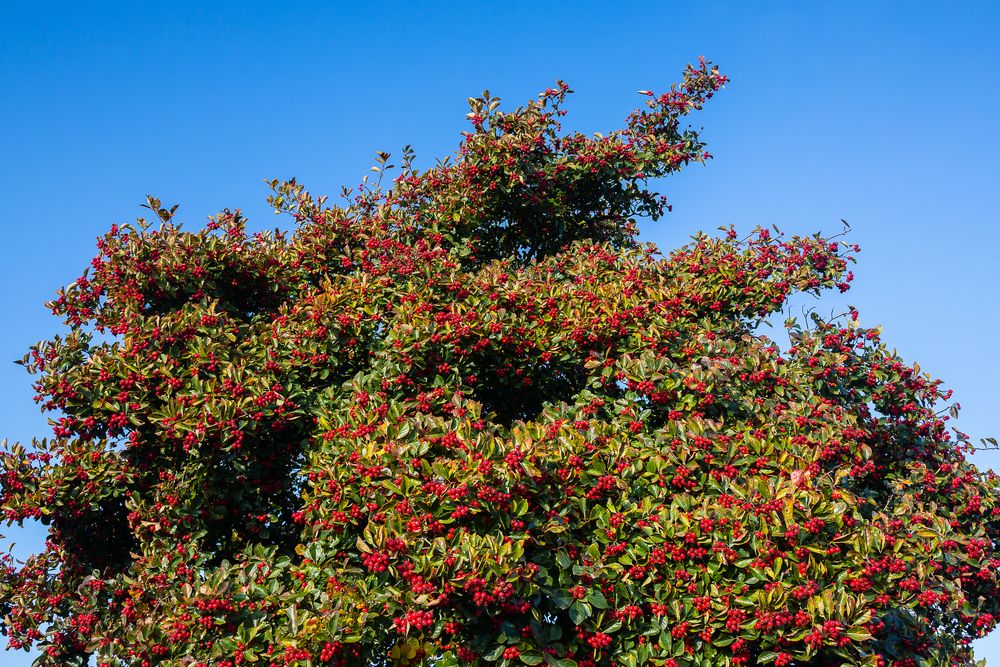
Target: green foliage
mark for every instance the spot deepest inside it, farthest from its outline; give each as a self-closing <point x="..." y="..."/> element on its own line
<point x="469" y="419"/>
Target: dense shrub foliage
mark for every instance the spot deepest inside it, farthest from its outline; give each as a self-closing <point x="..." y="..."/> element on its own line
<point x="469" y="419"/>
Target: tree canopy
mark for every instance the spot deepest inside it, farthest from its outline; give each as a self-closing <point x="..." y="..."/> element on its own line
<point x="467" y="418"/>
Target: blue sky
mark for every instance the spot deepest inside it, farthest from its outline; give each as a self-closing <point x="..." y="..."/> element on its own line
<point x="882" y="113"/>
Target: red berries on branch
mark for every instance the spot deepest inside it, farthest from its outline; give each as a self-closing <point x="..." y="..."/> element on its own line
<point x="467" y="418"/>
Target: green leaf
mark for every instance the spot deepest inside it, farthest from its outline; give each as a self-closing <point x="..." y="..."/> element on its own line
<point x="495" y="653"/>
<point x="580" y="612"/>
<point x="858" y="634"/>
<point x="596" y="598"/>
<point x="561" y="599"/>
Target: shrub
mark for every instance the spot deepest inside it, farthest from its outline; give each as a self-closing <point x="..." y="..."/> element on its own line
<point x="469" y="419"/>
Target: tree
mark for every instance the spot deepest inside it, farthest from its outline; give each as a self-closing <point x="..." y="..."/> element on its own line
<point x="469" y="419"/>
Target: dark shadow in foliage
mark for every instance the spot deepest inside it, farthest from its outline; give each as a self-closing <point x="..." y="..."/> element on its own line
<point x="99" y="538"/>
<point x="512" y="397"/>
<point x="260" y="481"/>
<point x="529" y="226"/>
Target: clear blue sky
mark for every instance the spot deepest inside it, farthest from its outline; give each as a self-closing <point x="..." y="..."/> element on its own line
<point x="881" y="113"/>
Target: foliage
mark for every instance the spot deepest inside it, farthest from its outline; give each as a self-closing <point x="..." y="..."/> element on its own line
<point x="469" y="419"/>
